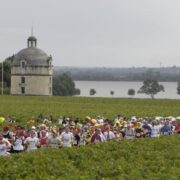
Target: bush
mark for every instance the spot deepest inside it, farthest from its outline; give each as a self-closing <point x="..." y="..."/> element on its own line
<point x="128" y="159"/>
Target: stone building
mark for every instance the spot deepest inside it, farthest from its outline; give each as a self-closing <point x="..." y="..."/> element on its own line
<point x="31" y="71"/>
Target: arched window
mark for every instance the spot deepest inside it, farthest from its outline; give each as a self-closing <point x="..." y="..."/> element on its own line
<point x="23" y="64"/>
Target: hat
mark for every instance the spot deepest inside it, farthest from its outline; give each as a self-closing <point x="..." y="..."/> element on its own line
<point x="88" y="118"/>
<point x="5" y="128"/>
<point x="2" y="119"/>
<point x="33" y="127"/>
<point x="93" y="121"/>
<point x="20" y="132"/>
<point x="54" y="131"/>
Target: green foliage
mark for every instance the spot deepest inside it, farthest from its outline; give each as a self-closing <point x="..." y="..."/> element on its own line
<point x="112" y="93"/>
<point x="131" y="92"/>
<point x="63" y="85"/>
<point x="22" y="108"/>
<point x="151" y="87"/>
<point x="6" y="72"/>
<point x="92" y="92"/>
<point x="6" y="90"/>
<point x="178" y="88"/>
<point x="157" y="158"/>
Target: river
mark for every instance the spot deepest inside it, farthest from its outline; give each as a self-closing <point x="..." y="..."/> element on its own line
<point x="120" y="89"/>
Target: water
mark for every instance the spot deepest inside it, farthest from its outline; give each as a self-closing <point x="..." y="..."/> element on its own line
<point x="120" y="89"/>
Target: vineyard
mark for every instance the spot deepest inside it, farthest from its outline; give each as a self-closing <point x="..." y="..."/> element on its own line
<point x="127" y="159"/>
<point x="22" y="109"/>
<point x="148" y="158"/>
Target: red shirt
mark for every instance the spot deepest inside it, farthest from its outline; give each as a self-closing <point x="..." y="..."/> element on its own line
<point x="43" y="141"/>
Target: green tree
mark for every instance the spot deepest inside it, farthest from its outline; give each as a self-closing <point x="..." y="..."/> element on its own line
<point x="6" y="71"/>
<point x="131" y="92"/>
<point x="92" y="92"/>
<point x="178" y="88"/>
<point x="63" y="85"/>
<point x="6" y="75"/>
<point x="112" y="93"/>
<point x="151" y="87"/>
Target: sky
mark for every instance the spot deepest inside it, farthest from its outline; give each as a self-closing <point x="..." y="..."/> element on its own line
<point x="95" y="33"/>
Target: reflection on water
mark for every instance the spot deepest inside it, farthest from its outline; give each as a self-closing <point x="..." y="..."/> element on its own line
<point x="120" y="89"/>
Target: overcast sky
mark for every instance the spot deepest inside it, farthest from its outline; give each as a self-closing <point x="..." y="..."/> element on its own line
<point x="103" y="33"/>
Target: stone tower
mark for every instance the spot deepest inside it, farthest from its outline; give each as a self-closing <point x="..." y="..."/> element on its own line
<point x="31" y="71"/>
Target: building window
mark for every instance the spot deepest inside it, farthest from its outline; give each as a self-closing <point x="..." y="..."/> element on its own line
<point x="22" y="79"/>
<point x="23" y="64"/>
<point x="22" y="90"/>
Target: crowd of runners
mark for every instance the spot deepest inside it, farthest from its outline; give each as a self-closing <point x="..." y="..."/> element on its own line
<point x="70" y="131"/>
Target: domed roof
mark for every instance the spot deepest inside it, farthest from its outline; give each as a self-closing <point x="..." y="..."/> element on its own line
<point x="32" y="38"/>
<point x="32" y="56"/>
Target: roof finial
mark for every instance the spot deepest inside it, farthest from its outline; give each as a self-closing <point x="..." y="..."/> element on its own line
<point x="32" y="31"/>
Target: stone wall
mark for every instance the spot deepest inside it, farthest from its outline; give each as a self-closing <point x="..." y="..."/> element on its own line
<point x="34" y="85"/>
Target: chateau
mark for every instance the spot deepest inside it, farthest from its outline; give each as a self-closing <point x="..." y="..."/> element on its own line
<point x="31" y="71"/>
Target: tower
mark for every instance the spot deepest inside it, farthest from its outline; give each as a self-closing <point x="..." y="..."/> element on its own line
<point x="31" y="71"/>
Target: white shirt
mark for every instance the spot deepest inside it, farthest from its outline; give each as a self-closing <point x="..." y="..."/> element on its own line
<point x="4" y="147"/>
<point x="102" y="137"/>
<point x="109" y="135"/>
<point x="67" y="139"/>
<point x="18" y="144"/>
<point x="155" y="131"/>
<point x="32" y="143"/>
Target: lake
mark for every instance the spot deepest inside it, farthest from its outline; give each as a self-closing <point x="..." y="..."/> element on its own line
<point x="120" y="89"/>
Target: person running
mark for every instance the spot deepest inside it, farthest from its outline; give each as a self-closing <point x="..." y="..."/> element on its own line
<point x="138" y="130"/>
<point x="129" y="132"/>
<point x="7" y="134"/>
<point x="32" y="142"/>
<point x="109" y="135"/>
<point x="18" y="142"/>
<point x="67" y="138"/>
<point x="43" y="139"/>
<point x="96" y="136"/>
<point x="146" y="129"/>
<point x="5" y="145"/>
<point x="166" y="129"/>
<point x="53" y="140"/>
<point x="155" y="130"/>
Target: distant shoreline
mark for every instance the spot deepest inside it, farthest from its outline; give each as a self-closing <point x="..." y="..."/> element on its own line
<point x="169" y="74"/>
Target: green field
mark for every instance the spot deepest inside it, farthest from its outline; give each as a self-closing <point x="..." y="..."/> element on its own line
<point x="23" y="108"/>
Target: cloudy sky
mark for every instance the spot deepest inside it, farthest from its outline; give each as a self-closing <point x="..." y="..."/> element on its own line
<point x="103" y="33"/>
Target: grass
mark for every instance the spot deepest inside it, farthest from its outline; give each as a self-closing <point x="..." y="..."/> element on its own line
<point x="23" y="108"/>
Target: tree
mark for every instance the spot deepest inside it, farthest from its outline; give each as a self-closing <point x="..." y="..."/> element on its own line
<point x="131" y="92"/>
<point x="151" y="87"/>
<point x="6" y="71"/>
<point x="92" y="92"/>
<point x="63" y="85"/>
<point x="6" y="74"/>
<point x="178" y="88"/>
<point x="112" y="93"/>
